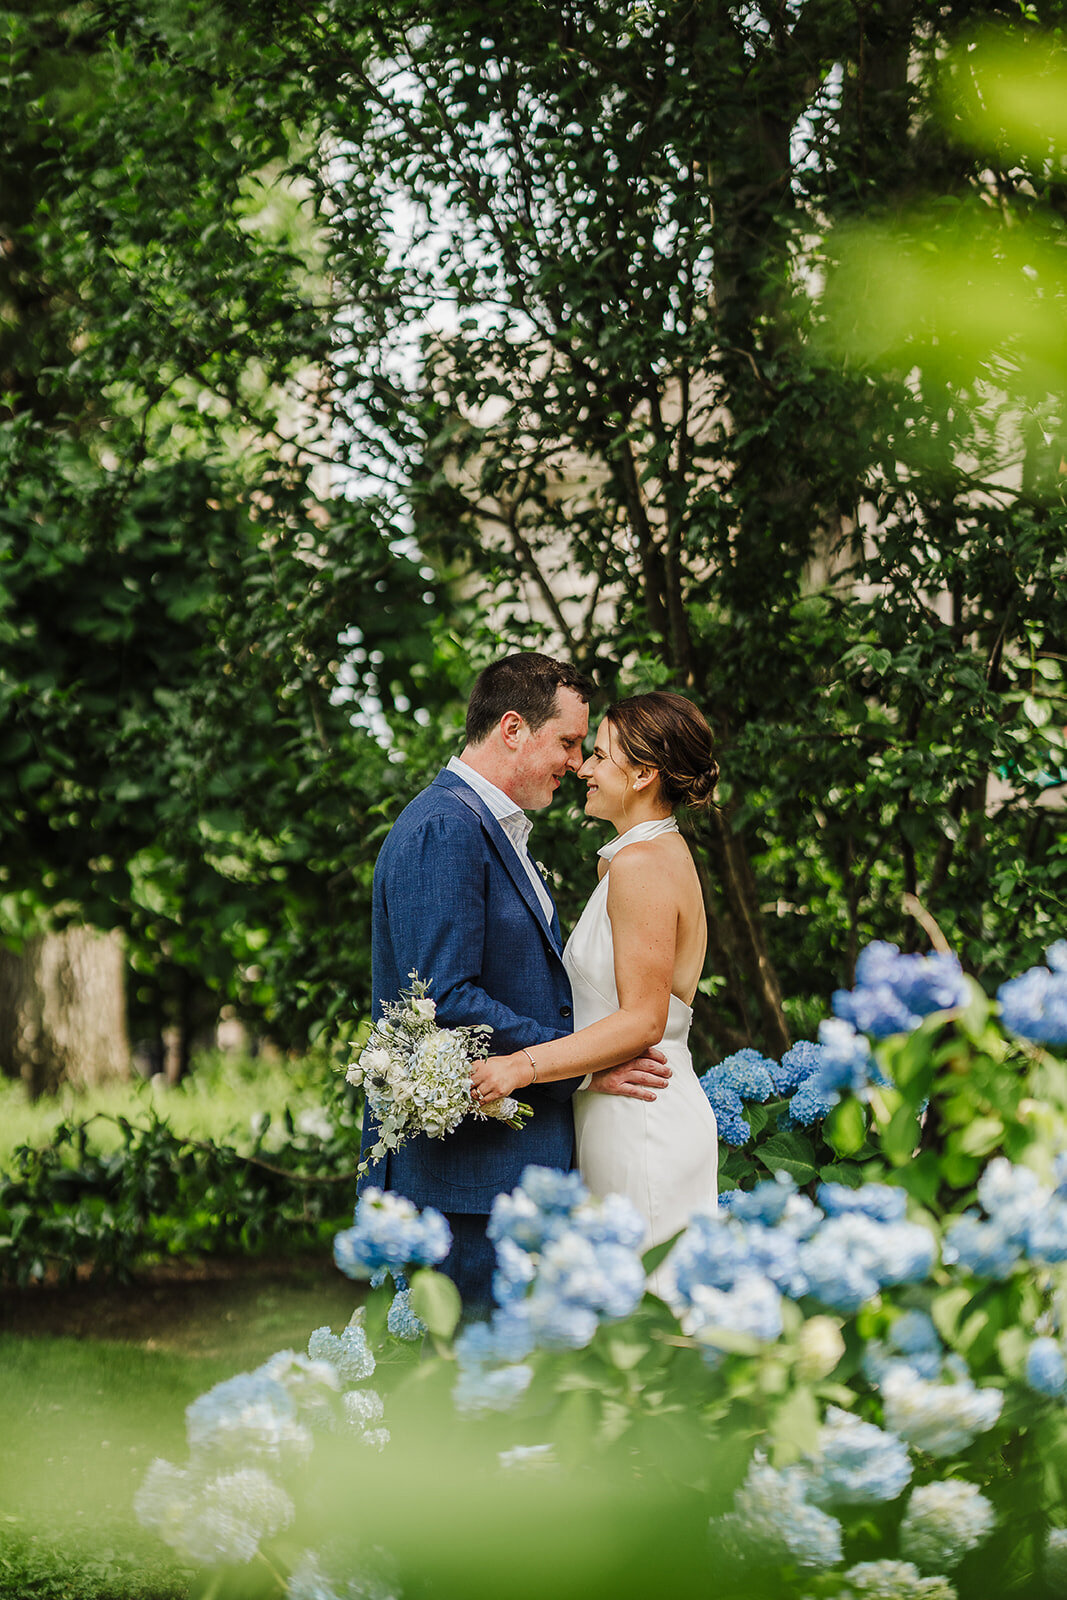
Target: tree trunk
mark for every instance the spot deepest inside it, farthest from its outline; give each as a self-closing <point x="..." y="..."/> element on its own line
<point x="63" y="1011"/>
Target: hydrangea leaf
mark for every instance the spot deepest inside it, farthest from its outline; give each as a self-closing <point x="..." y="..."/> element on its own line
<point x="846" y="1127"/>
<point x="626" y="1353"/>
<point x="659" y="1253"/>
<point x="946" y="1310"/>
<point x="980" y="1138"/>
<point x="959" y="1171"/>
<point x="901" y="1135"/>
<point x="1012" y="1345"/>
<point x="790" y="1152"/>
<point x="796" y="1427"/>
<point x="435" y="1300"/>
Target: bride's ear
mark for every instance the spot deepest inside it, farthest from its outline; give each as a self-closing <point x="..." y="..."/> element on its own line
<point x="645" y="776"/>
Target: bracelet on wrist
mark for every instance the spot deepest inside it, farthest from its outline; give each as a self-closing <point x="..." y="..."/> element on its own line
<point x="532" y="1062"/>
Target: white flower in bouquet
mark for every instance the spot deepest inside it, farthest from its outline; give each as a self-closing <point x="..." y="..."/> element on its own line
<point x="417" y="1076"/>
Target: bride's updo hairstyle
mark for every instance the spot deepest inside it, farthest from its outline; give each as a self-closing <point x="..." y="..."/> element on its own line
<point x="666" y="731"/>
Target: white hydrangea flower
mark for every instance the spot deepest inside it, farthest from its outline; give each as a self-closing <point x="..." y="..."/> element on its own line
<point x="940" y="1418"/>
<point x="943" y="1523"/>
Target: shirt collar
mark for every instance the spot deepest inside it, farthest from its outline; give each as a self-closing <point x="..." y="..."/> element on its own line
<point x="501" y="805"/>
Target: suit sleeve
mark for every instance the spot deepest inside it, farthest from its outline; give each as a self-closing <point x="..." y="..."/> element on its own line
<point x="437" y="927"/>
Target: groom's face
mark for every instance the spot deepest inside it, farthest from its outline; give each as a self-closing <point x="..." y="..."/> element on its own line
<point x="542" y="758"/>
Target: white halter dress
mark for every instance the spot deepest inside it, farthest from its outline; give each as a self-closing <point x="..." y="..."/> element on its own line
<point x="662" y="1154"/>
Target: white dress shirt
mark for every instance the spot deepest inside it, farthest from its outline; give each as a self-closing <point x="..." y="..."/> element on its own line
<point x="514" y="821"/>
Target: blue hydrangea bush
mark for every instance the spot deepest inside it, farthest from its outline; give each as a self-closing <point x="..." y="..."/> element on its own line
<point x="847" y="1383"/>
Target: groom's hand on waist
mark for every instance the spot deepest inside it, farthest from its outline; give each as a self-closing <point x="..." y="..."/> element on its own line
<point x="640" y="1079"/>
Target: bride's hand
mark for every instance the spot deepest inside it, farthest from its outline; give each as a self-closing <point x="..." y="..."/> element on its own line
<point x="496" y="1077"/>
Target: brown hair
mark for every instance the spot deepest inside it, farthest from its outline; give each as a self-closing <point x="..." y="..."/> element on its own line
<point x="526" y="683"/>
<point x="666" y="731"/>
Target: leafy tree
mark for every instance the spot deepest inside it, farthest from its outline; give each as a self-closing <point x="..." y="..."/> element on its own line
<point x="314" y="313"/>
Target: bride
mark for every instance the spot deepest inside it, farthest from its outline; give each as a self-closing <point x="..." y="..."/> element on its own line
<point x="634" y="961"/>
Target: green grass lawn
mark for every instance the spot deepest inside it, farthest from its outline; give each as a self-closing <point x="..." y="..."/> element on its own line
<point x="222" y="1099"/>
<point x="82" y="1417"/>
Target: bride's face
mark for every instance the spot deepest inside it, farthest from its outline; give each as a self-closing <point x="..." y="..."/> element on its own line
<point x="609" y="778"/>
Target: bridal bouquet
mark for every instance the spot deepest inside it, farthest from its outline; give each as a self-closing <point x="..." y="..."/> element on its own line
<point x="416" y="1076"/>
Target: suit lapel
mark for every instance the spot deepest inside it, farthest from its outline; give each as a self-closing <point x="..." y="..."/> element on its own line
<point x="507" y="853"/>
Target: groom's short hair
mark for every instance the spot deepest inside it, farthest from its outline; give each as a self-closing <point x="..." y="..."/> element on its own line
<point x="526" y="683"/>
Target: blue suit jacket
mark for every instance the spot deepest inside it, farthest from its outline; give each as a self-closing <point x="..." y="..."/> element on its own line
<point x="453" y="903"/>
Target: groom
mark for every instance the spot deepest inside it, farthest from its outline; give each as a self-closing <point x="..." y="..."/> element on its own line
<point x="459" y="900"/>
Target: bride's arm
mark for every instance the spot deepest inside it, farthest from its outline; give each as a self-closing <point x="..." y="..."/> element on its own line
<point x="643" y="908"/>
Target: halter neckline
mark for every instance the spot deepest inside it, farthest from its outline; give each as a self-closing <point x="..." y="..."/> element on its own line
<point x="639" y="832"/>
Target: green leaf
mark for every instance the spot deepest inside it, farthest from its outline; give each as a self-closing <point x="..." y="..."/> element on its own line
<point x="626" y="1353"/>
<point x="846" y="1127"/>
<point x="436" y="1300"/>
<point x="659" y="1253"/>
<point x="900" y="1138"/>
<point x="791" y="1152"/>
<point x="796" y="1427"/>
<point x="980" y="1137"/>
<point x="1039" y="712"/>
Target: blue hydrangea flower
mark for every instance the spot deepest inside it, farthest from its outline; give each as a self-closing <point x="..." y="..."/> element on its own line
<point x="857" y="1462"/>
<point x="1046" y="1369"/>
<point x="565" y="1262"/>
<point x="846" y="1065"/>
<point x="212" y="1522"/>
<point x="812" y="1101"/>
<point x="515" y="1271"/>
<point x="878" y="1010"/>
<point x="250" y="1415"/>
<point x="765" y="1203"/>
<point x="1034" y="1005"/>
<point x="1046" y="1232"/>
<point x="847" y="1062"/>
<point x="980" y="1247"/>
<point x="728" y="1108"/>
<point x="880" y="1201"/>
<point x="513" y="1337"/>
<point x="914" y="1336"/>
<point x="363" y="1407"/>
<point x="851" y="1257"/>
<point x="797" y="1066"/>
<point x="402" y="1322"/>
<point x="1010" y="1195"/>
<point x="611" y="1220"/>
<point x="496" y="1390"/>
<point x="934" y="982"/>
<point x="349" y="1352"/>
<point x="940" y="1418"/>
<point x="553" y="1191"/>
<point x="775" y="1253"/>
<point x="893" y="992"/>
<point x="708" y="1252"/>
<point x="752" y="1307"/>
<point x="749" y="1073"/>
<point x="943" y="1523"/>
<point x="389" y="1231"/>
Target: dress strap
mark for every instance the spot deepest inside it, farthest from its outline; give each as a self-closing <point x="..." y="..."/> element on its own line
<point x="639" y="832"/>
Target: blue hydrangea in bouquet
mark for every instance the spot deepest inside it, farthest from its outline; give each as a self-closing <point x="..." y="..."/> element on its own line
<point x="416" y="1075"/>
